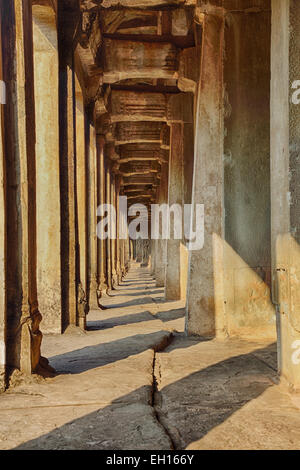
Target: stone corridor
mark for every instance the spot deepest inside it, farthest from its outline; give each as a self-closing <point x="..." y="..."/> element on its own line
<point x="149" y="224"/>
<point x="133" y="380"/>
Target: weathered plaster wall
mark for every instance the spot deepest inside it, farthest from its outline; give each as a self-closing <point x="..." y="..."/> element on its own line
<point x="247" y="255"/>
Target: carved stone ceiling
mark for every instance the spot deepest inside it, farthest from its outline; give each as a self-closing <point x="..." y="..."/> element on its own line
<point x="131" y="56"/>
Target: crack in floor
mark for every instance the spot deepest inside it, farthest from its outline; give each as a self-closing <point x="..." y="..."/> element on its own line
<point x="195" y="394"/>
<point x="154" y="391"/>
<point x="154" y="394"/>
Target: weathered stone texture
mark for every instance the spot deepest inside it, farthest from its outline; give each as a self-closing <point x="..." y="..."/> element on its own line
<point x="47" y="166"/>
<point x="161" y="102"/>
<point x="284" y="169"/>
<point x="126" y="59"/>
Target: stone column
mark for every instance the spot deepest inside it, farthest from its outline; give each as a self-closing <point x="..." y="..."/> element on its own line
<point x="161" y="245"/>
<point x="180" y="118"/>
<point x="122" y="266"/>
<point x="134" y="249"/>
<point x="67" y="188"/>
<point x="131" y="249"/>
<point x="153" y="256"/>
<point x="139" y="250"/>
<point x="81" y="208"/>
<point x="126" y="255"/>
<point x="285" y="192"/>
<point x="175" y="196"/>
<point x="118" y="262"/>
<point x="92" y="215"/>
<point x="122" y="248"/>
<point x="47" y="166"/>
<point x="102" y="284"/>
<point x="23" y="317"/>
<point x="2" y="236"/>
<point x="204" y="296"/>
<point x="114" y="229"/>
<point x="146" y="253"/>
<point x="108" y="241"/>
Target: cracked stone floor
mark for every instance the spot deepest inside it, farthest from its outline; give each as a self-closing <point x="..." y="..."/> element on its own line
<point x="134" y="381"/>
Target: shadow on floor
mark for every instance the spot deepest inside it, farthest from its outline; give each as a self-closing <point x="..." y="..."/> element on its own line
<point x="91" y="357"/>
<point x="139" y="279"/>
<point x="131" y="303"/>
<point x="170" y="315"/>
<point x="191" y="407"/>
<point x="104" y="324"/>
<point x="188" y="408"/>
<point x="136" y="288"/>
<point x="144" y="296"/>
<point x="136" y="294"/>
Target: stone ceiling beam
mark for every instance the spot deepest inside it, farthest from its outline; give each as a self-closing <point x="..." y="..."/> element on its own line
<point x="121" y="60"/>
<point x="116" y="50"/>
<point x="143" y="4"/>
<point x="137" y="132"/>
<point x="137" y="106"/>
<point x="127" y="20"/>
<point x="141" y="166"/>
<point x="140" y="196"/>
<point x="139" y="180"/>
<point x="162" y="86"/>
<point x="181" y="42"/>
<point x="136" y="172"/>
<point x="139" y="149"/>
<point x="138" y="158"/>
<point x="132" y="153"/>
<point x="139" y="192"/>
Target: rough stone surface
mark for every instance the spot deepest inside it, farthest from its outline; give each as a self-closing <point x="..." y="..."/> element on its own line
<point x="164" y="101"/>
<point x="102" y="394"/>
<point x="134" y="381"/>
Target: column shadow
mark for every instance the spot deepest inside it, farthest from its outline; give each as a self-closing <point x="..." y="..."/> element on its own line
<point x="188" y="408"/>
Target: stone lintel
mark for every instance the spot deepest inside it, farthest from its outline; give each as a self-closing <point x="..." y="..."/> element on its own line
<point x="144" y="4"/>
<point x="127" y="105"/>
<point x="137" y="132"/>
<point x="122" y="60"/>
